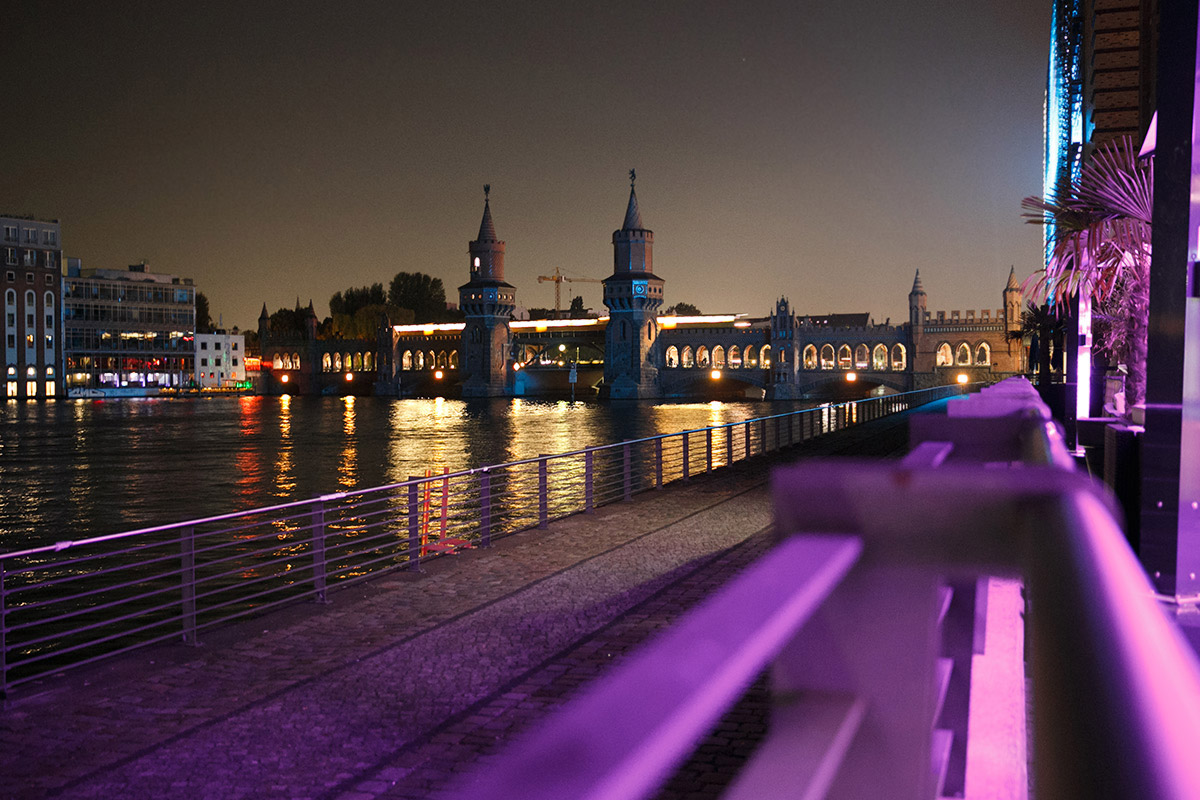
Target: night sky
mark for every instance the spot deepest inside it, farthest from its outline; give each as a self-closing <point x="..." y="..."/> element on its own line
<point x="269" y="150"/>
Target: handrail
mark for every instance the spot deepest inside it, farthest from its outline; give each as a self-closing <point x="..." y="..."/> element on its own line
<point x="73" y="602"/>
<point x="1116" y="689"/>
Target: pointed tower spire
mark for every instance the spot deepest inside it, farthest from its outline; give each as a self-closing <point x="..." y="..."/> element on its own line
<point x="487" y="229"/>
<point x="917" y="287"/>
<point x="264" y="314"/>
<point x="633" y="216"/>
<point x="1012" y="279"/>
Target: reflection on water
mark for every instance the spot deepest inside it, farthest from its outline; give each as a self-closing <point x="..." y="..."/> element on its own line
<point x="72" y="469"/>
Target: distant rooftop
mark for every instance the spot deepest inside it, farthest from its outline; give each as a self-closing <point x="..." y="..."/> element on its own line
<point x="30" y="218"/>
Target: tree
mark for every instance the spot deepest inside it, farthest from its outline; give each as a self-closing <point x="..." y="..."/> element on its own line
<point x="350" y="301"/>
<point x="420" y="293"/>
<point x="683" y="310"/>
<point x="1101" y="247"/>
<point x="1046" y="332"/>
<point x="203" y="317"/>
<point x="576" y="311"/>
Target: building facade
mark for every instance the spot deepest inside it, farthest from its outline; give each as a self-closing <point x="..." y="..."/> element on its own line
<point x="127" y="331"/>
<point x="220" y="360"/>
<point x="487" y="302"/>
<point x="32" y="322"/>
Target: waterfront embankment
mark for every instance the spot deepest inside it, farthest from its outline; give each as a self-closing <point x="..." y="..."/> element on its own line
<point x="405" y="680"/>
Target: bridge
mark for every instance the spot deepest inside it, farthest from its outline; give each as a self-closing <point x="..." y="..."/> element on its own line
<point x="635" y="351"/>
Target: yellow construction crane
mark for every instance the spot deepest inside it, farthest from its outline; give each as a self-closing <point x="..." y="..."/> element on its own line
<point x="558" y="279"/>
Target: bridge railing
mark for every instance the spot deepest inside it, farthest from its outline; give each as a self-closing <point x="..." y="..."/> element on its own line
<point x="856" y="614"/>
<point x="82" y="600"/>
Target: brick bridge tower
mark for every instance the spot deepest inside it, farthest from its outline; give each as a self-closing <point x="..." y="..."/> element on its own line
<point x="916" y="316"/>
<point x="633" y="294"/>
<point x="487" y="303"/>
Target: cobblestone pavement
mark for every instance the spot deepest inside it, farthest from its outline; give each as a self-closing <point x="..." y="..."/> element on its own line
<point x="405" y="680"/>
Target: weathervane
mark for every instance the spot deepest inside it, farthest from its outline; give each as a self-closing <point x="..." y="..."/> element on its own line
<point x="487" y="187"/>
<point x="632" y="176"/>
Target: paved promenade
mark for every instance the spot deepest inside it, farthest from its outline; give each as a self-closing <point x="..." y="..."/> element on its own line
<point x="404" y="681"/>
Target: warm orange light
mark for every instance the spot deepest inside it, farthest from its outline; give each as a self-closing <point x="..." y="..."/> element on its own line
<point x="349" y="376"/>
<point x="852" y="376"/>
<point x="437" y="374"/>
<point x="716" y="374"/>
<point x="284" y="377"/>
<point x="962" y="377"/>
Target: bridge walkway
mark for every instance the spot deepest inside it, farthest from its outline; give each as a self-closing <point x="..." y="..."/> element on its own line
<point x="408" y="679"/>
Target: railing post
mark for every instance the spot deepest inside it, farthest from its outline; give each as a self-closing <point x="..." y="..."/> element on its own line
<point x="747" y="438"/>
<point x="708" y="449"/>
<point x="187" y="579"/>
<point x="658" y="483"/>
<point x="543" y="500"/>
<point x="414" y="524"/>
<point x="626" y="456"/>
<point x="686" y="457"/>
<point x="318" y="549"/>
<point x="485" y="508"/>
<point x="587" y="480"/>
<point x="3" y="642"/>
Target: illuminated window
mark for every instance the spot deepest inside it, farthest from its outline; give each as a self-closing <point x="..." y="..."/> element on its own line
<point x="862" y="357"/>
<point x="368" y="362"/>
<point x="31" y="388"/>
<point x="944" y="356"/>
<point x="983" y="354"/>
<point x="845" y="357"/>
<point x="453" y="359"/>
<point x="962" y="355"/>
<point x="750" y="356"/>
<point x="702" y="356"/>
<point x="277" y="363"/>
<point x="686" y="359"/>
<point x="827" y="361"/>
<point x="11" y="389"/>
<point x="671" y="359"/>
<point x="326" y="362"/>
<point x="879" y="358"/>
<point x="718" y="357"/>
<point x="406" y="360"/>
<point x="810" y="356"/>
<point x="735" y="357"/>
<point x="49" y="388"/>
<point x="295" y="361"/>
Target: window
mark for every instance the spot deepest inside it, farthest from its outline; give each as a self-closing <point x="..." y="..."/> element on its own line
<point x="234" y="346"/>
<point x="10" y="319"/>
<point x="879" y="358"/>
<point x="49" y="280"/>
<point x="11" y="340"/>
<point x="216" y="345"/>
<point x="845" y="357"/>
<point x="48" y="261"/>
<point x="31" y="372"/>
<point x="31" y="236"/>
<point x="10" y="276"/>
<point x="10" y="233"/>
<point x="31" y="259"/>
<point x="235" y="362"/>
<point x="944" y="357"/>
<point x="29" y="277"/>
<point x="962" y="355"/>
<point x="810" y="356"/>
<point x="204" y="362"/>
<point x="672" y="357"/>
<point x="29" y="340"/>
<point x="204" y="345"/>
<point x="10" y="257"/>
<point x="49" y="237"/>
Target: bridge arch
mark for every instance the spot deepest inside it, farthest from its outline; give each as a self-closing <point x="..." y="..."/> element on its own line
<point x="702" y="357"/>
<point x="944" y="357"/>
<point x="828" y="360"/>
<point x="844" y="358"/>
<point x="687" y="360"/>
<point x="962" y="355"/>
<point x="983" y="354"/>
<point x="671" y="357"/>
<point x="879" y="358"/>
<point x="718" y="357"/>
<point x="750" y="359"/>
<point x="764" y="356"/>
<point x="862" y="357"/>
<point x="735" y="357"/>
<point x="809" y="359"/>
<point x="899" y="358"/>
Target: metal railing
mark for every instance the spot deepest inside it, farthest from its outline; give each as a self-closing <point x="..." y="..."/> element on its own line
<point x="852" y="614"/>
<point x="79" y="601"/>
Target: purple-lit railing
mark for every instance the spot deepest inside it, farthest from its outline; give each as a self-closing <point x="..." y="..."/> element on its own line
<point x="79" y="601"/>
<point x="853" y="615"/>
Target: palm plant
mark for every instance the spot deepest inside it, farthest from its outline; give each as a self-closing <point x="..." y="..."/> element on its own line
<point x="1101" y="248"/>
<point x="1045" y="330"/>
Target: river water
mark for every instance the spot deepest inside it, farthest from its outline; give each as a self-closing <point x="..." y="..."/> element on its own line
<point x="78" y="468"/>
